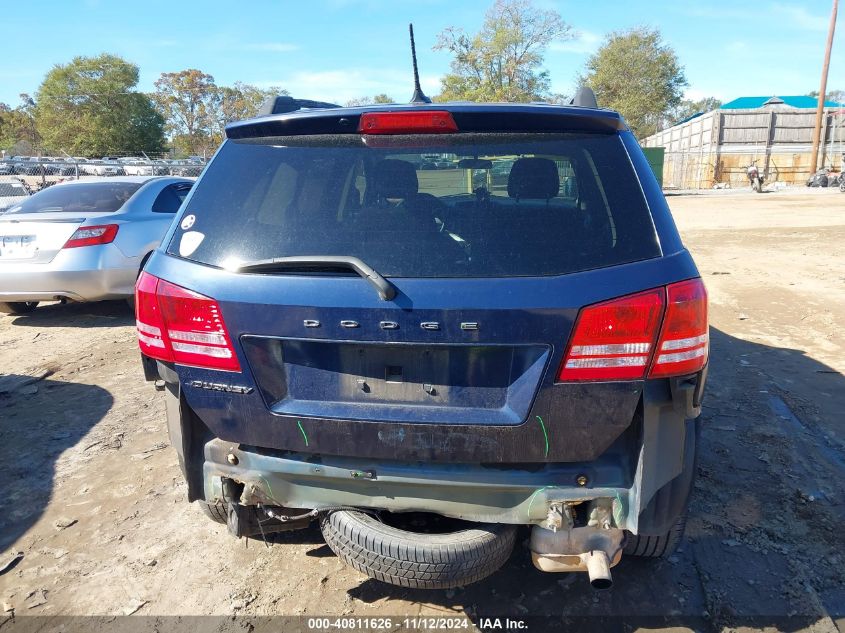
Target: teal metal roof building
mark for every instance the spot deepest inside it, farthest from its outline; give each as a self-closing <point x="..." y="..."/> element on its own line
<point x="796" y="101"/>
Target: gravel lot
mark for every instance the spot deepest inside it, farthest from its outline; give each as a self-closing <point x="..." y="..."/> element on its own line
<point x="91" y="494"/>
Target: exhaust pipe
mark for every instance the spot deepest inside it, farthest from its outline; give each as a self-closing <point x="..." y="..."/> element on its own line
<point x="598" y="569"/>
<point x="593" y="548"/>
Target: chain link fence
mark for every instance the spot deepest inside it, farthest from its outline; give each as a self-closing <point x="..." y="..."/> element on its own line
<point x="38" y="172"/>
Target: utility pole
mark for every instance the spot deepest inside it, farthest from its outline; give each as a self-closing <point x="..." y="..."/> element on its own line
<point x="814" y="158"/>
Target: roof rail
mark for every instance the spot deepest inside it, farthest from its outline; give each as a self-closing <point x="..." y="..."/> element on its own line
<point x="584" y="98"/>
<point x="283" y="103"/>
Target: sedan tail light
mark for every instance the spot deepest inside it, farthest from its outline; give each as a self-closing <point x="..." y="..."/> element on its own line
<point x="179" y="325"/>
<point x="92" y="235"/>
<point x="615" y="340"/>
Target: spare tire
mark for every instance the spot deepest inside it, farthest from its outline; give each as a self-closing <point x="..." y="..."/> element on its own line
<point x="412" y="559"/>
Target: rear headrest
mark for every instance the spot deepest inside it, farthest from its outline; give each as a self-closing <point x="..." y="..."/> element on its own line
<point x="535" y="178"/>
<point x="393" y="178"/>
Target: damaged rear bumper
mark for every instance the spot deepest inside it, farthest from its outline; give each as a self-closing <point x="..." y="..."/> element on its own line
<point x="646" y="477"/>
<point x="471" y="492"/>
<point x="464" y="491"/>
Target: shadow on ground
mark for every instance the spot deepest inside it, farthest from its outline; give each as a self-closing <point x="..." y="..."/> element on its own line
<point x="94" y="314"/>
<point x="764" y="542"/>
<point x="38" y="422"/>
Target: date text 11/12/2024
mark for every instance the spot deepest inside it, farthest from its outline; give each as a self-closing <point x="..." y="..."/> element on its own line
<point x="416" y="623"/>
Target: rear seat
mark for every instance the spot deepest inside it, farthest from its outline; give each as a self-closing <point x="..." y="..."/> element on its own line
<point x="501" y="229"/>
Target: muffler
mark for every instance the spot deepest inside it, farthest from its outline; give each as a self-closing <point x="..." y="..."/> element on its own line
<point x="561" y="547"/>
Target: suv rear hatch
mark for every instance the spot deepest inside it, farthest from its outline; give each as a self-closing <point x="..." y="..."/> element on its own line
<point x="489" y="273"/>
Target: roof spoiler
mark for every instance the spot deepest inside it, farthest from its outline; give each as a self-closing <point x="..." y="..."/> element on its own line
<point x="584" y="98"/>
<point x="281" y="104"/>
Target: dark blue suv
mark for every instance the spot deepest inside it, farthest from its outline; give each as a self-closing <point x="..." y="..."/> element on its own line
<point x="427" y="325"/>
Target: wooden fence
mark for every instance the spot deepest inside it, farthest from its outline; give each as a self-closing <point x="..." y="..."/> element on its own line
<point x="717" y="147"/>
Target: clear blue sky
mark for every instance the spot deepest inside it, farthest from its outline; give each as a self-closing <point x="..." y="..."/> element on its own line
<point x="340" y="49"/>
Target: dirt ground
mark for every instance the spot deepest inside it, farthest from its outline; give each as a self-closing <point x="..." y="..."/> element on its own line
<point x="91" y="494"/>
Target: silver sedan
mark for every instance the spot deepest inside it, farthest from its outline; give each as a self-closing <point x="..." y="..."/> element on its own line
<point x="84" y="240"/>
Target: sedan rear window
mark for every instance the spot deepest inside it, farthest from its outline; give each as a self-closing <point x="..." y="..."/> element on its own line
<point x="91" y="197"/>
<point x="462" y="205"/>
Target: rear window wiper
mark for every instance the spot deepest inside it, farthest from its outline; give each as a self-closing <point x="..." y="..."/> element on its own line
<point x="386" y="290"/>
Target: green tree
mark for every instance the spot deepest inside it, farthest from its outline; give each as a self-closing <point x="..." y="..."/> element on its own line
<point x="89" y="107"/>
<point x="17" y="127"/>
<point x="635" y="73"/>
<point x="503" y="61"/>
<point x="189" y="100"/>
<point x="837" y="96"/>
<point x="241" y="101"/>
<point x="362" y="101"/>
<point x="687" y="108"/>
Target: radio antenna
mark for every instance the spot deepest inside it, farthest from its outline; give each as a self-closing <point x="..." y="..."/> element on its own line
<point x="418" y="97"/>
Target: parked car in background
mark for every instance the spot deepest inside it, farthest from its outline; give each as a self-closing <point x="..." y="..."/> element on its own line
<point x="499" y="173"/>
<point x="191" y="167"/>
<point x="79" y="163"/>
<point x="48" y="165"/>
<point x="63" y="166"/>
<point x="136" y="166"/>
<point x="161" y="167"/>
<point x="12" y="192"/>
<point x="83" y="240"/>
<point x="102" y="167"/>
<point x="172" y="166"/>
<point x="7" y="167"/>
<point x="19" y="164"/>
<point x="30" y="166"/>
<point x="14" y="163"/>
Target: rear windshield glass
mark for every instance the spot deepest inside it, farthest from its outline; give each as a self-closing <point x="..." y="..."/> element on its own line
<point x="464" y="205"/>
<point x="91" y="197"/>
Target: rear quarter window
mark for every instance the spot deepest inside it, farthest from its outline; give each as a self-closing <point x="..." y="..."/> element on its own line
<point x="171" y="198"/>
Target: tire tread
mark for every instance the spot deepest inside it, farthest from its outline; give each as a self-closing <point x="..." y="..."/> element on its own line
<point x="659" y="546"/>
<point x="421" y="561"/>
<point x="215" y="511"/>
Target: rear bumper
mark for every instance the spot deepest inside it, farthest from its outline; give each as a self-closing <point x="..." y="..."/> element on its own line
<point x="464" y="491"/>
<point x="647" y="472"/>
<point x="90" y="273"/>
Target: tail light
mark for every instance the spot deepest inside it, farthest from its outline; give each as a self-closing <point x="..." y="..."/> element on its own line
<point x="412" y="122"/>
<point x="623" y="339"/>
<point x="613" y="340"/>
<point x="683" y="344"/>
<point x="180" y="325"/>
<point x="92" y="235"/>
<point x="148" y="319"/>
